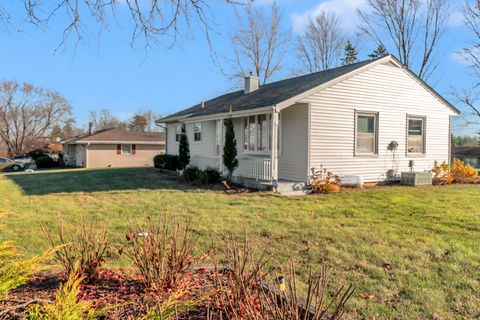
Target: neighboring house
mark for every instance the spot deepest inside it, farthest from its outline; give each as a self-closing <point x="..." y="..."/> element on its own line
<point x="342" y="120"/>
<point x="469" y="155"/>
<point x="113" y="148"/>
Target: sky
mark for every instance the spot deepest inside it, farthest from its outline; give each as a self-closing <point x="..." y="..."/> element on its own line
<point x="103" y="70"/>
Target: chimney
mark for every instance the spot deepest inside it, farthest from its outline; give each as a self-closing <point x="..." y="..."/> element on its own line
<point x="90" y="127"/>
<point x="252" y="83"/>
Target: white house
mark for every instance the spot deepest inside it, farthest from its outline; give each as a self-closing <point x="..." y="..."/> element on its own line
<point x="344" y="119"/>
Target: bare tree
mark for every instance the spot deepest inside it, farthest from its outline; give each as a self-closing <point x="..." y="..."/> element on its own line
<point x="322" y="42"/>
<point x="259" y="43"/>
<point x="27" y="114"/>
<point x="144" y="121"/>
<point x="105" y="120"/>
<point x="415" y="28"/>
<point x="150" y="19"/>
<point x="472" y="20"/>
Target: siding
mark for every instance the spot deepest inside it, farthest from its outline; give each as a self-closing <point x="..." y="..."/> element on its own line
<point x="392" y="93"/>
<point x="293" y="159"/>
<point x="105" y="155"/>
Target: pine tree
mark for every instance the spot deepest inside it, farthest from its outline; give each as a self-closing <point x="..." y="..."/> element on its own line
<point x="380" y="52"/>
<point x="184" y="149"/>
<point x="350" y="54"/>
<point x="230" y="148"/>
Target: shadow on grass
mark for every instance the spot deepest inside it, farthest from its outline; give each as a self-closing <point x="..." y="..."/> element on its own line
<point x="93" y="180"/>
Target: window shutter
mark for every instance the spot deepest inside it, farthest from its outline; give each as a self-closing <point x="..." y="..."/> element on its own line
<point x="119" y="149"/>
<point x="134" y="149"/>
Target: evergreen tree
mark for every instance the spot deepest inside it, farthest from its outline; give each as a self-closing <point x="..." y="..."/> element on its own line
<point x="380" y="52"/>
<point x="184" y="149"/>
<point x="230" y="148"/>
<point x="350" y="54"/>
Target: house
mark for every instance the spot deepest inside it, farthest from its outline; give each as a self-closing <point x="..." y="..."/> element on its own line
<point x="113" y="148"/>
<point x="469" y="155"/>
<point x="371" y="119"/>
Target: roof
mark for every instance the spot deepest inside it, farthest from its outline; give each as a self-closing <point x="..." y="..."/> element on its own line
<point x="466" y="151"/>
<point x="271" y="94"/>
<point x="119" y="135"/>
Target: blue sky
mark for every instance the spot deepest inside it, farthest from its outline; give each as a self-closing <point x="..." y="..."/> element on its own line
<point x="104" y="71"/>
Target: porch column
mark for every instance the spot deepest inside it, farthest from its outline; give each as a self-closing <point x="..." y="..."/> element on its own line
<point x="274" y="160"/>
<point x="222" y="142"/>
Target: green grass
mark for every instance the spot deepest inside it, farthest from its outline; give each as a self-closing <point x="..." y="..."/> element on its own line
<point x="416" y="250"/>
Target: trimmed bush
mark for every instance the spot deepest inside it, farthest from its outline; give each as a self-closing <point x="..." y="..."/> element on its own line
<point x="190" y="173"/>
<point x="209" y="175"/>
<point x="166" y="161"/>
<point x="45" y="162"/>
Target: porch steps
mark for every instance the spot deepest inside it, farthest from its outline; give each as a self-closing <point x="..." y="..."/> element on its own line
<point x="291" y="188"/>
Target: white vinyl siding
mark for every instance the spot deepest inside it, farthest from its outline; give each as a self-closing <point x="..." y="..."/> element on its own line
<point x="293" y="160"/>
<point x="392" y="94"/>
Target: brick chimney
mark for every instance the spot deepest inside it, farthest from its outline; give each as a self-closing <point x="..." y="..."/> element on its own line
<point x="252" y="83"/>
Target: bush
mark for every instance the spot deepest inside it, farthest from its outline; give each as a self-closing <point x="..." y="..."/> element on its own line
<point x="209" y="175"/>
<point x="45" y="162"/>
<point x="84" y="244"/>
<point x="166" y="161"/>
<point x="326" y="182"/>
<point x="190" y="173"/>
<point x="160" y="252"/>
<point x="457" y="172"/>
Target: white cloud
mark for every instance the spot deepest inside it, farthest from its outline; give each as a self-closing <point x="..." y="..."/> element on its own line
<point x="345" y="9"/>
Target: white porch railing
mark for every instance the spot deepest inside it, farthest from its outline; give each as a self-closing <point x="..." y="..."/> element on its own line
<point x="259" y="169"/>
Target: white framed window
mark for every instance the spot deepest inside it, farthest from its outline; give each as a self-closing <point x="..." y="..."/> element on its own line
<point x="366" y="134"/>
<point x="126" y="149"/>
<point x="415" y="135"/>
<point x="197" y="131"/>
<point x="256" y="133"/>
<point x="178" y="132"/>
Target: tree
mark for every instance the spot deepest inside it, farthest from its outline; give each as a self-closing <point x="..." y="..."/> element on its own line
<point x="138" y="123"/>
<point x="320" y="45"/>
<point x="350" y="54"/>
<point x="27" y="114"/>
<point x="415" y="28"/>
<point x="259" y="43"/>
<point x="230" y="148"/>
<point x="380" y="52"/>
<point x="184" y="148"/>
<point x="105" y="120"/>
<point x="463" y="141"/>
<point x="151" y="20"/>
<point x="64" y="130"/>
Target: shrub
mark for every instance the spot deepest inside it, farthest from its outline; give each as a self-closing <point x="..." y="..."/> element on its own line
<point x="230" y="148"/>
<point x="190" y="173"/>
<point x="167" y="162"/>
<point x="209" y="175"/>
<point x="45" y="162"/>
<point x="326" y="182"/>
<point x="184" y="148"/>
<point x="160" y="252"/>
<point x="66" y="304"/>
<point x="457" y="172"/>
<point x="85" y="244"/>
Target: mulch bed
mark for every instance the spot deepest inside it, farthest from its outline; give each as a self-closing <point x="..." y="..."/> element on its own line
<point x="118" y="290"/>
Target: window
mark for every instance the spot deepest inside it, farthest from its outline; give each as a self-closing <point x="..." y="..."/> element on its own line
<point x="256" y="133"/>
<point x="126" y="149"/>
<point x="416" y="135"/>
<point x="366" y="138"/>
<point x="472" y="161"/>
<point x="197" y="132"/>
<point x="218" y="137"/>
<point x="178" y="132"/>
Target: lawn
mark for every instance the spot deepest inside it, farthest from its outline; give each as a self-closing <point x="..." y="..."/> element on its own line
<point x="412" y="253"/>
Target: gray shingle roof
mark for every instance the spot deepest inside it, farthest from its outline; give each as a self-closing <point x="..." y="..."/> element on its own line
<point x="267" y="95"/>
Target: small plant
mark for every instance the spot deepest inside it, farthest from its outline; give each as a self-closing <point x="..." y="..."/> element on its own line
<point x="85" y="244"/>
<point x="190" y="173"/>
<point x="66" y="304"/>
<point x="173" y="306"/>
<point x="325" y="182"/>
<point x="184" y="149"/>
<point x="209" y="175"/>
<point x="457" y="172"/>
<point x="161" y="253"/>
<point x="167" y="162"/>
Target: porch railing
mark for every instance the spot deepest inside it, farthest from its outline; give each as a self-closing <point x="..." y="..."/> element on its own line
<point x="259" y="169"/>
